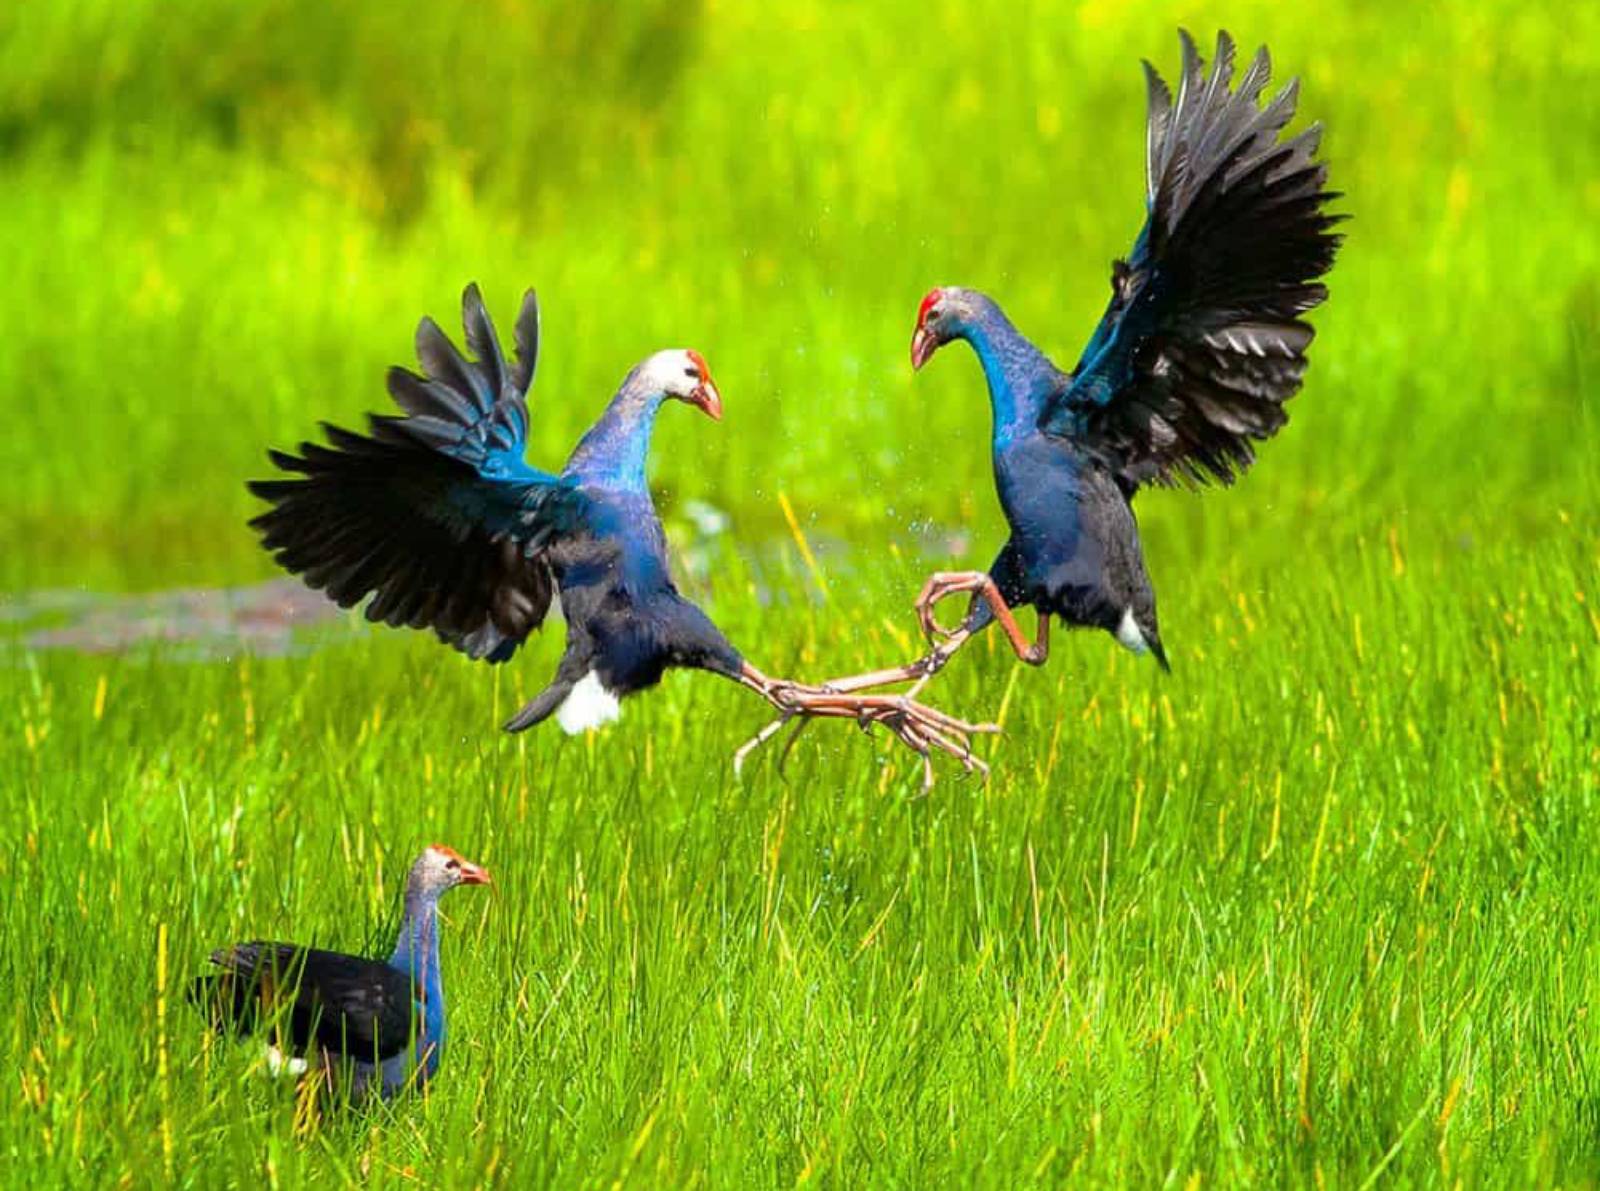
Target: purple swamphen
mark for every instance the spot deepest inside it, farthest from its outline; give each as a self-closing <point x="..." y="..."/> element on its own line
<point x="379" y="1024"/>
<point x="1201" y="345"/>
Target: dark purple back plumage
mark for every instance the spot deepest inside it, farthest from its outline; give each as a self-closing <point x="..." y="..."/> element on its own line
<point x="347" y="1005"/>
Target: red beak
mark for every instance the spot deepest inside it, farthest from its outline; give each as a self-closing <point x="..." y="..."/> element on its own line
<point x="923" y="345"/>
<point x="707" y="398"/>
<point x="472" y="874"/>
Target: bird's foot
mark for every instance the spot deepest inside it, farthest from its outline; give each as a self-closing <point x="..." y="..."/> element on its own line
<point x="940" y="585"/>
<point x="923" y="729"/>
<point x="785" y="693"/>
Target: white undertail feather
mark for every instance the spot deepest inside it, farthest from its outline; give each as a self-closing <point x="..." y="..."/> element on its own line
<point x="279" y="1063"/>
<point x="1129" y="633"/>
<point x="589" y="706"/>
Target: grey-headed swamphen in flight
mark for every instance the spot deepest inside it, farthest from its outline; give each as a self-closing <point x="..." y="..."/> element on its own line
<point x="437" y="517"/>
<point x="1202" y="343"/>
<point x="379" y="1024"/>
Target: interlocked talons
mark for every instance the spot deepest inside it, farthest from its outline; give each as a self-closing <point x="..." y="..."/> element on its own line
<point x="940" y="585"/>
<point x="982" y="587"/>
<point x="921" y="728"/>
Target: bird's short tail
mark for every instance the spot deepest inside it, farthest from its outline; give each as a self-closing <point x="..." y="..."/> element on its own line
<point x="1140" y="635"/>
<point x="579" y="705"/>
<point x="1160" y="654"/>
<point x="541" y="707"/>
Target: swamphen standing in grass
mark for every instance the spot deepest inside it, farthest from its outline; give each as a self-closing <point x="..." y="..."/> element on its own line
<point x="438" y="518"/>
<point x="1201" y="345"/>
<point x="379" y="1023"/>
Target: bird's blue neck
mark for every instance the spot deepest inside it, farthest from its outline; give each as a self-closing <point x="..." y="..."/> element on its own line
<point x="1021" y="377"/>
<point x="416" y="953"/>
<point x="614" y="451"/>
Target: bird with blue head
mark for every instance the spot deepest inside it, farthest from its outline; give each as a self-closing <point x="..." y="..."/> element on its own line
<point x="363" y="1026"/>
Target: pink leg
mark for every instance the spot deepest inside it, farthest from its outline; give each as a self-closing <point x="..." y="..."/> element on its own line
<point x="948" y="583"/>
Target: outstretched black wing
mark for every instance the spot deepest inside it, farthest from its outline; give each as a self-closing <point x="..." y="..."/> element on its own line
<point x="360" y="1008"/>
<point x="1203" y="340"/>
<point x="433" y="514"/>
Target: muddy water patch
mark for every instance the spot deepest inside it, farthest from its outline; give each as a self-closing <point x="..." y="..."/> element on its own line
<point x="283" y="616"/>
<point x="278" y="617"/>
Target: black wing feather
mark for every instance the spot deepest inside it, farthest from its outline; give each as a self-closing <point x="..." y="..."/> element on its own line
<point x="344" y="1004"/>
<point x="1203" y="340"/>
<point x="434" y="515"/>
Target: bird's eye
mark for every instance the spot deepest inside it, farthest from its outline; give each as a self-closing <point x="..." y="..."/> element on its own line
<point x="452" y="863"/>
<point x="692" y="373"/>
<point x="934" y="315"/>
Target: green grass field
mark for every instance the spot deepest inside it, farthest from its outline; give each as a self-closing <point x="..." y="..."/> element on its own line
<point x="1316" y="908"/>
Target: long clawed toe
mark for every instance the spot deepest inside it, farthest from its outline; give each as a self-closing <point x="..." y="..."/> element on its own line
<point x="933" y="632"/>
<point x="940" y="585"/>
<point x="924" y="729"/>
<point x="923" y="734"/>
<point x="921" y="728"/>
<point x="742" y="753"/>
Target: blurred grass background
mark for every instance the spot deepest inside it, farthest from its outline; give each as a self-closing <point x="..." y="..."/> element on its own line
<point x="1317" y="908"/>
<point x="223" y="220"/>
